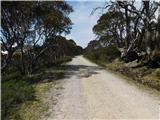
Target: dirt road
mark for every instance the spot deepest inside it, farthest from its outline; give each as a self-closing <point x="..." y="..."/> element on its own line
<point x="90" y="92"/>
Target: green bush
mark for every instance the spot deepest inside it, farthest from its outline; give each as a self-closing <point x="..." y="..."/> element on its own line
<point x="112" y="52"/>
<point x="14" y="92"/>
<point x="13" y="76"/>
<point x="57" y="62"/>
<point x="62" y="60"/>
<point x="106" y="54"/>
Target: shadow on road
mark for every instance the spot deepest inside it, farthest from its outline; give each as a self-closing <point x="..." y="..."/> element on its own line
<point x="79" y="71"/>
<point x="82" y="70"/>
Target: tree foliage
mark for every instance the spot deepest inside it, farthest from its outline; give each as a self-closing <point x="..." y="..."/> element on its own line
<point x="131" y="28"/>
<point x="26" y="29"/>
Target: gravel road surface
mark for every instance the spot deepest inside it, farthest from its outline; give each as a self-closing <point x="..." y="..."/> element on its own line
<point x="90" y="92"/>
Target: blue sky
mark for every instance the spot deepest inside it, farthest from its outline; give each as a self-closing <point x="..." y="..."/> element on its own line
<point x="83" y="22"/>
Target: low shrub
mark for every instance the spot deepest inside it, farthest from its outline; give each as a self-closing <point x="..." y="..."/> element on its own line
<point x="62" y="60"/>
<point x="57" y="62"/>
<point x="14" y="92"/>
<point x="13" y="76"/>
<point x="106" y="54"/>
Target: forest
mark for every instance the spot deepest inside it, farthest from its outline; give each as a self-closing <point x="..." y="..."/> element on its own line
<point x="129" y="31"/>
<point x="31" y="41"/>
<point x="32" y="29"/>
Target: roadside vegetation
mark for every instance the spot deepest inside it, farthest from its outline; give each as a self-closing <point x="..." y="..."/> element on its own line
<point x="22" y="95"/>
<point x="128" y="40"/>
<point x="33" y="54"/>
<point x="109" y="58"/>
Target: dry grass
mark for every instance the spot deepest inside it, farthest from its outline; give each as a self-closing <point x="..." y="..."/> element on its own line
<point x="146" y="76"/>
<point x="153" y="79"/>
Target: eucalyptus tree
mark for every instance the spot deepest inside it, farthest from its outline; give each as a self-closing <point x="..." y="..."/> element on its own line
<point x="14" y="26"/>
<point x="131" y="28"/>
<point x="59" y="47"/>
<point x="29" y="24"/>
<point x="110" y="27"/>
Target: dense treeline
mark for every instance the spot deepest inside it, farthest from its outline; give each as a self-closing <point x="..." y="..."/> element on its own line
<point x="133" y="27"/>
<point x="31" y="42"/>
<point x="31" y="34"/>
